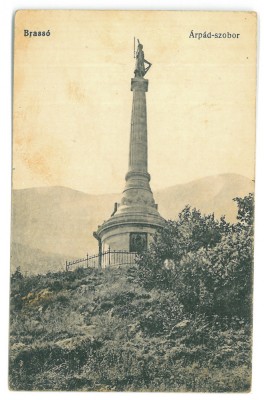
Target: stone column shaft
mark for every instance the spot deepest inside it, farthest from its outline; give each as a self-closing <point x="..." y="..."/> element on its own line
<point x="138" y="151"/>
<point x="137" y="190"/>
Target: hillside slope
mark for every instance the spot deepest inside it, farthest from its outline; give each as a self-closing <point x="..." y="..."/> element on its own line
<point x="102" y="331"/>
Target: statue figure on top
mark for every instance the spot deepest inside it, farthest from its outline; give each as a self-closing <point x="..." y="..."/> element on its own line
<point x="140" y="69"/>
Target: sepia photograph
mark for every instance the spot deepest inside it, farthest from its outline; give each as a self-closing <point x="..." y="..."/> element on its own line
<point x="132" y="221"/>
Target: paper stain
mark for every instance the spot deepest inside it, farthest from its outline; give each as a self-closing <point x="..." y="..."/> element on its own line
<point x="75" y="92"/>
<point x="39" y="164"/>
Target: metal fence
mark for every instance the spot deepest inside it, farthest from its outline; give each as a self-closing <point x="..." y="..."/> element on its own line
<point x="109" y="258"/>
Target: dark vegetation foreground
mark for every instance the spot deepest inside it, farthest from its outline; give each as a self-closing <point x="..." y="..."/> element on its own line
<point x="179" y="320"/>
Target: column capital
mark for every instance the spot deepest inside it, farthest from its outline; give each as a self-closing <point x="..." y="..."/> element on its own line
<point x="139" y="84"/>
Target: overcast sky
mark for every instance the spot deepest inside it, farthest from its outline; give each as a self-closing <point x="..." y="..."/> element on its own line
<point x="72" y="98"/>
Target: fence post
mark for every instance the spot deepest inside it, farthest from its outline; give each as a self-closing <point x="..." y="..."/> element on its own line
<point x="66" y="265"/>
<point x="87" y="264"/>
<point x="100" y="253"/>
<point x="109" y="257"/>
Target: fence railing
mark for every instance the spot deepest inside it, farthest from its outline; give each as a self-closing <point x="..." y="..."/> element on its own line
<point x="109" y="258"/>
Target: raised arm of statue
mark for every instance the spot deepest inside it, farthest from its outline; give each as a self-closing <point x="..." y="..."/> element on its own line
<point x="140" y="69"/>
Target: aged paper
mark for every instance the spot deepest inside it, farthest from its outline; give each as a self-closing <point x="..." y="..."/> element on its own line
<point x="75" y="326"/>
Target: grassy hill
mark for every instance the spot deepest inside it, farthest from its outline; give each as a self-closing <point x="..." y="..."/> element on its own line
<point x="180" y="319"/>
<point x="91" y="330"/>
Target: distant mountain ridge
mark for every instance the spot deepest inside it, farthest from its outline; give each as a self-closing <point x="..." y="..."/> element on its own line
<point x="209" y="194"/>
<point x="57" y="223"/>
<point x="32" y="260"/>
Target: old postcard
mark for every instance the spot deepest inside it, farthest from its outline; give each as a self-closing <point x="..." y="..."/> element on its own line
<point x="133" y="201"/>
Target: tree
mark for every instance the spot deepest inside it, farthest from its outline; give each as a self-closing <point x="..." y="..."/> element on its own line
<point x="212" y="261"/>
<point x="245" y="214"/>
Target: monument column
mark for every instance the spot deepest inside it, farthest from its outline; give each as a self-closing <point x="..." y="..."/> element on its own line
<point x="136" y="218"/>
